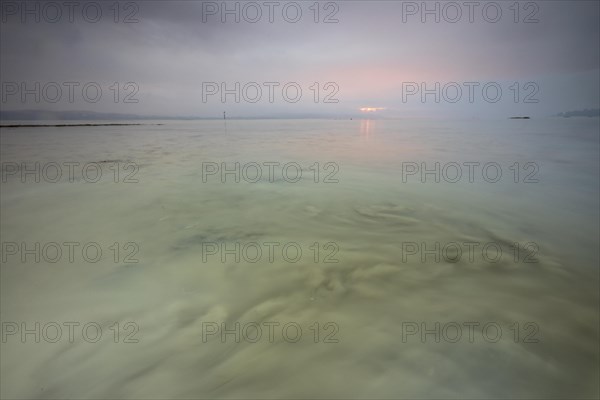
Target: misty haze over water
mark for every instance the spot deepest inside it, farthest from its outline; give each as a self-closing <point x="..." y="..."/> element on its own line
<point x="299" y="199"/>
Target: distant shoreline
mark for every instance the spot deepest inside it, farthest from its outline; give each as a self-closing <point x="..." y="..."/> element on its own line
<point x="65" y="125"/>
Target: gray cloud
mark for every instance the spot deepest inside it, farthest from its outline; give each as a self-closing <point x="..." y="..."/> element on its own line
<point x="369" y="53"/>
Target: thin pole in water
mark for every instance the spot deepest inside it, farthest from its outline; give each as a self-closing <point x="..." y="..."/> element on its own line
<point x="223" y="114"/>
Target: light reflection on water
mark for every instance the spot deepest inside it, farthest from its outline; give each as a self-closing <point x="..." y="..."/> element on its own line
<point x="369" y="215"/>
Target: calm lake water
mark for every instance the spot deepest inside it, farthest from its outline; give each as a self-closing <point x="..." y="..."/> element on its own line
<point x="301" y="259"/>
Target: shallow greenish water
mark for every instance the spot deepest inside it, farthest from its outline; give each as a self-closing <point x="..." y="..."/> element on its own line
<point x="530" y="299"/>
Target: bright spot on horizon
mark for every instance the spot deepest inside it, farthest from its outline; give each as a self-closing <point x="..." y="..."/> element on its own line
<point x="371" y="109"/>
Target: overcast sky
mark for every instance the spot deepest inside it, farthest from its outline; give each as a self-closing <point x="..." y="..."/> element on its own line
<point x="376" y="55"/>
